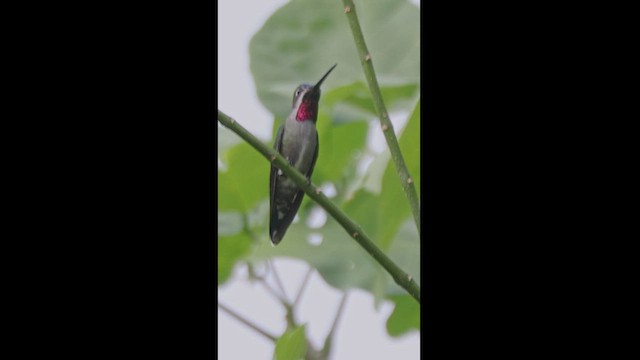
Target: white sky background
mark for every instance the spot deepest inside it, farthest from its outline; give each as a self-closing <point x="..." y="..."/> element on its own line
<point x="361" y="332"/>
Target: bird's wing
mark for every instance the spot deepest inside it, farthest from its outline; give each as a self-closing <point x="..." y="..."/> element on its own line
<point x="273" y="180"/>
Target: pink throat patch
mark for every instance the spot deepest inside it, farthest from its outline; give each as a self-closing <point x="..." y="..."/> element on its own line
<point x="307" y="111"/>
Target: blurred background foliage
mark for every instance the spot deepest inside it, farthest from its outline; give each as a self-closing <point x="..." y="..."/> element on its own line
<point x="299" y="43"/>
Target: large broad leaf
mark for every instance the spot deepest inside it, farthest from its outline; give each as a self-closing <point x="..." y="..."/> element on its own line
<point x="405" y="250"/>
<point x="382" y="215"/>
<point x="393" y="203"/>
<point x="353" y="102"/>
<point x="239" y="200"/>
<point x="233" y="243"/>
<point x="301" y="40"/>
<point x="292" y="345"/>
<point x="231" y="249"/>
<point x="410" y="145"/>
<point x="405" y="315"/>
<point x="239" y="187"/>
<point x="338" y="258"/>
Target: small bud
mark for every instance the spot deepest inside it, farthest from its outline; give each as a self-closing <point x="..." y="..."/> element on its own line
<point x="409" y="277"/>
<point x="355" y="234"/>
<point x="318" y="191"/>
<point x="367" y="57"/>
<point x="347" y="9"/>
<point x="385" y="127"/>
<point x="409" y="180"/>
<point x="273" y="157"/>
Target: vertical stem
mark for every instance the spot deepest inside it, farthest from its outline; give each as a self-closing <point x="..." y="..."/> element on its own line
<point x="385" y="123"/>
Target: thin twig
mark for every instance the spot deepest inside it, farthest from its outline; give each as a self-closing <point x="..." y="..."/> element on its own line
<point x="303" y="285"/>
<point x="329" y="340"/>
<point x="401" y="278"/>
<point x="291" y="320"/>
<point x="343" y="301"/>
<point x="278" y="282"/>
<point x="272" y="291"/>
<point x="247" y="322"/>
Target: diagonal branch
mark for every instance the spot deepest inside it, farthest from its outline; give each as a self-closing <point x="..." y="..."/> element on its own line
<point x="290" y="316"/>
<point x="272" y="291"/>
<point x="277" y="278"/>
<point x="401" y="278"/>
<point x="304" y="283"/>
<point x="247" y="322"/>
<point x="326" y="349"/>
<point x="385" y="123"/>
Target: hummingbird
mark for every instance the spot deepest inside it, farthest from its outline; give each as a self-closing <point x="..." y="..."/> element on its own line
<point x="297" y="142"/>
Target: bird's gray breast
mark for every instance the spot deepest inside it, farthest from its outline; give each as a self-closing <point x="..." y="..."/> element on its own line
<point x="299" y="144"/>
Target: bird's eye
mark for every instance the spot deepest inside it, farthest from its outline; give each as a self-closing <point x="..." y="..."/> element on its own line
<point x="297" y="92"/>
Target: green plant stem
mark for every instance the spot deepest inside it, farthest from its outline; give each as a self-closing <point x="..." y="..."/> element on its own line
<point x="385" y="123"/>
<point x="399" y="276"/>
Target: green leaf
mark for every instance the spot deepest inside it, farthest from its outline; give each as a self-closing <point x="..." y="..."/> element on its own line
<point x="226" y="139"/>
<point x="380" y="215"/>
<point x="353" y="102"/>
<point x="364" y="209"/>
<point x="292" y="345"/>
<point x="356" y="94"/>
<point x="231" y="249"/>
<point x="339" y="146"/>
<point x="338" y="258"/>
<point x="246" y="180"/>
<point x="390" y="207"/>
<point x="373" y="178"/>
<point x="405" y="315"/>
<point x="341" y="261"/>
<point x="302" y="39"/>
<point x="393" y="203"/>
<point x="405" y="250"/>
<point x="410" y="145"/>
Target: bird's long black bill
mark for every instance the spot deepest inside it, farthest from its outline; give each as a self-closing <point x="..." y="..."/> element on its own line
<point x="317" y="86"/>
